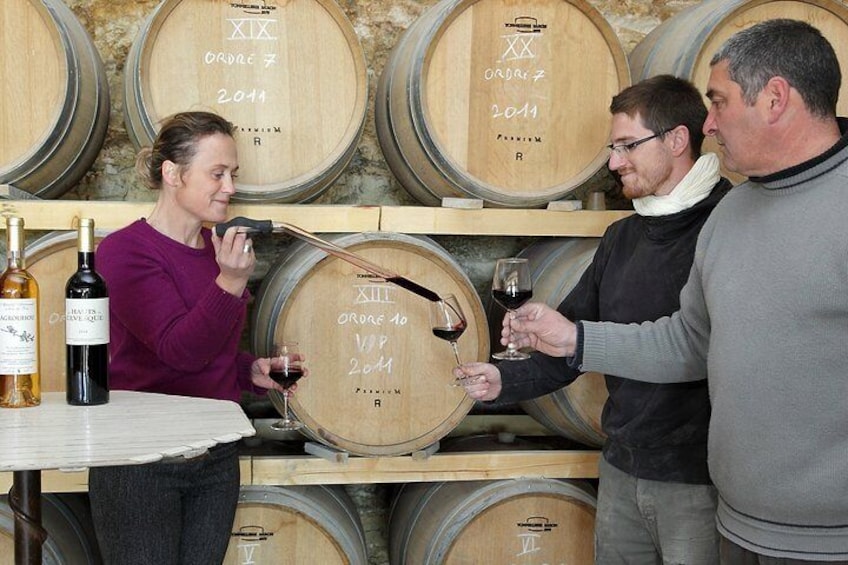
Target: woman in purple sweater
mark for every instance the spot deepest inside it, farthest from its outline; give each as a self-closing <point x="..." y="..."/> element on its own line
<point x="178" y="306"/>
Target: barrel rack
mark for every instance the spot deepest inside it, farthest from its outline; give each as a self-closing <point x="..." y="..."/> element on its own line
<point x="332" y="218"/>
<point x="315" y="469"/>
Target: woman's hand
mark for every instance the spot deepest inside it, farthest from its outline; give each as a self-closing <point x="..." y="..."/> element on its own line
<point x="235" y="257"/>
<point x="260" y="375"/>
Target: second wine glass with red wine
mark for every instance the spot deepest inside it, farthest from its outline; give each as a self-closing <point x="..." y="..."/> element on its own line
<point x="286" y="369"/>
<point x="448" y="322"/>
<point x="512" y="286"/>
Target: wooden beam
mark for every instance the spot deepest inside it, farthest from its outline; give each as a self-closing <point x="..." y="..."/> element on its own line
<point x="497" y="221"/>
<point x="307" y="470"/>
<point x="110" y="215"/>
<point x="310" y="470"/>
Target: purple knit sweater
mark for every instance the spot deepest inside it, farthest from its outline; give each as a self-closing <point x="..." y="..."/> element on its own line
<point x="174" y="331"/>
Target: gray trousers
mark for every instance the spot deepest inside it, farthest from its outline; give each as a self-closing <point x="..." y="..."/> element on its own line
<point x="643" y="522"/>
<point x="166" y="513"/>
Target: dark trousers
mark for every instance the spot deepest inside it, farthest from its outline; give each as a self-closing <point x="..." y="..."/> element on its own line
<point x="732" y="554"/>
<point x="178" y="513"/>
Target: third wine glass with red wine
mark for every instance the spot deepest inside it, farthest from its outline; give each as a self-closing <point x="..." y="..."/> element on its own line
<point x="512" y="286"/>
<point x="286" y="369"/>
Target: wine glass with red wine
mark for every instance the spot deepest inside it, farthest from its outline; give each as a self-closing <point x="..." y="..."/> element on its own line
<point x="286" y="369"/>
<point x="448" y="321"/>
<point x="512" y="286"/>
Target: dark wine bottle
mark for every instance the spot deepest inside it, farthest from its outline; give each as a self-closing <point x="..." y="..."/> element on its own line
<point x="87" y="326"/>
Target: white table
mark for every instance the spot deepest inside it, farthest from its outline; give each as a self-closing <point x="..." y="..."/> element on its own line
<point x="132" y="429"/>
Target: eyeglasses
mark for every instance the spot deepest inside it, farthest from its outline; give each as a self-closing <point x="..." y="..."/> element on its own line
<point x="625" y="148"/>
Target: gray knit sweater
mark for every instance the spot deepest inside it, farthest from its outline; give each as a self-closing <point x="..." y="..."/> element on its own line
<point x="765" y="315"/>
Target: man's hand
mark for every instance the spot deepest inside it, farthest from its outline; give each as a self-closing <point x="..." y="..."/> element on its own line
<point x="542" y="328"/>
<point x="481" y="381"/>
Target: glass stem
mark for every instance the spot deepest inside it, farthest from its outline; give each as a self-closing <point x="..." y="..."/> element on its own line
<point x="286" y="406"/>
<point x="510" y="347"/>
<point x="456" y="352"/>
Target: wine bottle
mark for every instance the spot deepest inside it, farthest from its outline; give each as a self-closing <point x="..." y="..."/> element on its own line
<point x="86" y="326"/>
<point x="19" y="381"/>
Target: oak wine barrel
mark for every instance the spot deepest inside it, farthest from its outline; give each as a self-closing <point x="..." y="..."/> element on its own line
<point x="519" y="521"/>
<point x="499" y="100"/>
<point x="292" y="525"/>
<point x="290" y="75"/>
<point x="379" y="378"/>
<point x="684" y="44"/>
<point x="54" y="98"/>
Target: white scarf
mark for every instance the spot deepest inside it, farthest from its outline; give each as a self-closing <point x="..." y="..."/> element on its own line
<point x="694" y="187"/>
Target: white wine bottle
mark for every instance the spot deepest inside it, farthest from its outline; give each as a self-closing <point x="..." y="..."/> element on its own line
<point x="19" y="382"/>
<point x="86" y="326"/>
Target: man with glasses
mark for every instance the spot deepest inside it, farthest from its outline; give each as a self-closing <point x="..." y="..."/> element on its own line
<point x="656" y="503"/>
<point x="765" y="310"/>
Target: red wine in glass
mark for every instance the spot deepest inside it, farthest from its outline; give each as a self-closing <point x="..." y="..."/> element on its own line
<point x="512" y="286"/>
<point x="286" y="369"/>
<point x="287" y="378"/>
<point x="448" y="322"/>
<point x="450" y="333"/>
<point x="512" y="298"/>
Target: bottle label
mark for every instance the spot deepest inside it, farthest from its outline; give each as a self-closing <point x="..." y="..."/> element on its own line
<point x="86" y="321"/>
<point x="18" y="337"/>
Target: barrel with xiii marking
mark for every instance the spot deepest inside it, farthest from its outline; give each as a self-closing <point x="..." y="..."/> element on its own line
<point x="379" y="379"/>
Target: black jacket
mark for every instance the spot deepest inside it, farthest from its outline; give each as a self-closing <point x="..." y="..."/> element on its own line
<point x="654" y="431"/>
